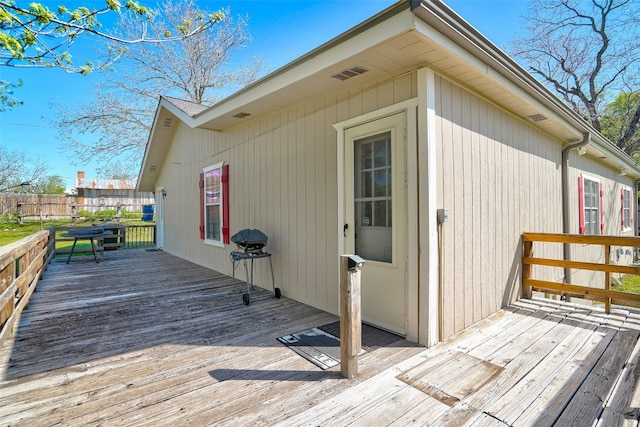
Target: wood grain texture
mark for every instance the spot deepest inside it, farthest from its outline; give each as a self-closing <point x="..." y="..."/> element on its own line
<point x="149" y="339"/>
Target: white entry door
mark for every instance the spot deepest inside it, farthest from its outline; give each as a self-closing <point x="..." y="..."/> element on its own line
<point x="376" y="216"/>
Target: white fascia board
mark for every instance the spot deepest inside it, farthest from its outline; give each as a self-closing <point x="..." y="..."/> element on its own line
<point x="465" y="55"/>
<point x="334" y="52"/>
<point x="150" y="147"/>
<point x="613" y="153"/>
<point x="501" y="68"/>
<point x="181" y="115"/>
<point x="176" y="111"/>
<point x="147" y="147"/>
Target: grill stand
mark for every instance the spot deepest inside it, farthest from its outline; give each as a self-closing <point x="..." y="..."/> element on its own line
<point x="250" y="255"/>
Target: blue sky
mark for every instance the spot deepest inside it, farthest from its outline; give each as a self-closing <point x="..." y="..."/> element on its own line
<point x="281" y="31"/>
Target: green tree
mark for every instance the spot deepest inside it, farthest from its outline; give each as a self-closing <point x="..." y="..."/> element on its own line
<point x="36" y="36"/>
<point x="52" y="184"/>
<point x="7" y="99"/>
<point x="588" y="52"/>
<point x="617" y="118"/>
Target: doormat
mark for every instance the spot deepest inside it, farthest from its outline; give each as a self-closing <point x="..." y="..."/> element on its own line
<point x="319" y="347"/>
<point x="372" y="337"/>
<point x="153" y="250"/>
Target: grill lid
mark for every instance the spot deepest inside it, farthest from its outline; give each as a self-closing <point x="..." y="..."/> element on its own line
<point x="250" y="237"/>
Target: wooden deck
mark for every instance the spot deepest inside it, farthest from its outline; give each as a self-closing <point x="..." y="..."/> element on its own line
<point x="145" y="338"/>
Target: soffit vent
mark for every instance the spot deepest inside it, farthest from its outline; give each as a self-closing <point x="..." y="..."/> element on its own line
<point x="349" y="73"/>
<point x="537" y="117"/>
<point x="153" y="168"/>
<point x="572" y="140"/>
<point x="241" y="115"/>
<point x="167" y="122"/>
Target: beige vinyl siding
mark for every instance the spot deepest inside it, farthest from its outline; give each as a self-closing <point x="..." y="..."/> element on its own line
<point x="499" y="177"/>
<point x="283" y="181"/>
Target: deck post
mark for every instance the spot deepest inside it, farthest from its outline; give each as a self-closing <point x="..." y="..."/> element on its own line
<point x="607" y="278"/>
<point x="526" y="268"/>
<point x="350" y="326"/>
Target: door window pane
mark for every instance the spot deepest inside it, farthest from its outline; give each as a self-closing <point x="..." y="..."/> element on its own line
<point x="373" y="197"/>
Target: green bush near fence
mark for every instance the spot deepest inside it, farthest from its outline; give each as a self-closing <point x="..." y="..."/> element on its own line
<point x="9" y="217"/>
<point x="109" y="214"/>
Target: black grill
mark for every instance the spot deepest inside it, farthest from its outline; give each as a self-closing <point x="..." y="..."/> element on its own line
<point x="250" y="243"/>
<point x="250" y="240"/>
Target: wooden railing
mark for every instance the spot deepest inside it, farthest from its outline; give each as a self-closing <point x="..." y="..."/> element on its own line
<point x="139" y="236"/>
<point x="603" y="294"/>
<point x="123" y="236"/>
<point x="22" y="263"/>
<point x="21" y="266"/>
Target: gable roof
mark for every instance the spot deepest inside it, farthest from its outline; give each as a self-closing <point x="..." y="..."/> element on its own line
<point x="404" y="37"/>
<point x="188" y="107"/>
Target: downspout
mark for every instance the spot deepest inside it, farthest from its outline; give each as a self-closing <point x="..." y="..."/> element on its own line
<point x="566" y="217"/>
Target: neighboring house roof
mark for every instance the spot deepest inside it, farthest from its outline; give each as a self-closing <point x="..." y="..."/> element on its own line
<point x="404" y="37"/>
<point x="106" y="184"/>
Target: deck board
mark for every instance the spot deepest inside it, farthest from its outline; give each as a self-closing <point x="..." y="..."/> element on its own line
<point x="146" y="338"/>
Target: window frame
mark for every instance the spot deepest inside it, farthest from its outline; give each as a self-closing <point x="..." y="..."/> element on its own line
<point x="626" y="206"/>
<point x="586" y="226"/>
<point x="220" y="203"/>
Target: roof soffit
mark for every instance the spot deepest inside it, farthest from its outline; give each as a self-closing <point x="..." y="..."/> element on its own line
<point x="395" y="42"/>
<point x="451" y="31"/>
<point x="311" y="74"/>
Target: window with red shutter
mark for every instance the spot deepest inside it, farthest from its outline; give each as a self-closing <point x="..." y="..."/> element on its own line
<point x="201" y="189"/>
<point x="215" y="215"/>
<point x="622" y="209"/>
<point x="601" y="192"/>
<point x="225" y="205"/>
<point x="626" y="217"/>
<point x="590" y="206"/>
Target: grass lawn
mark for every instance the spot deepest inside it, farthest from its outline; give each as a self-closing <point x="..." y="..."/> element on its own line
<point x="628" y="283"/>
<point x="12" y="232"/>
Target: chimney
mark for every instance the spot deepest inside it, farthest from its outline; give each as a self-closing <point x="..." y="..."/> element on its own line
<point x="80" y="175"/>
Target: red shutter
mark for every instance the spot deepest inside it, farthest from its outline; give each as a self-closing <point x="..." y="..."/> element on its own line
<point x="601" y="210"/>
<point x="581" y="228"/>
<point x="622" y="208"/>
<point x="201" y="187"/>
<point x="225" y="205"/>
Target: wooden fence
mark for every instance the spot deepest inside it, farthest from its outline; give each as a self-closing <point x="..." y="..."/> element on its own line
<point x="23" y="263"/>
<point x="48" y="206"/>
<point x="604" y="293"/>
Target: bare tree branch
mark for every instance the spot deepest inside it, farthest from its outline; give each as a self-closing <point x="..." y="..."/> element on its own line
<point x="587" y="51"/>
<point x="198" y="69"/>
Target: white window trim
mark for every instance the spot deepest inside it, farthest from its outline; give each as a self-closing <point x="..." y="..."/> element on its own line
<point x="584" y="204"/>
<point x="207" y="241"/>
<point x="627" y="224"/>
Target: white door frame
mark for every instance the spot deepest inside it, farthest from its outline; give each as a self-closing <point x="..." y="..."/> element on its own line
<point x="408" y="107"/>
<point x="159" y="196"/>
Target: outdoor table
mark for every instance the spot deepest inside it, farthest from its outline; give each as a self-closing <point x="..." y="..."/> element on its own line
<point x="84" y="233"/>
